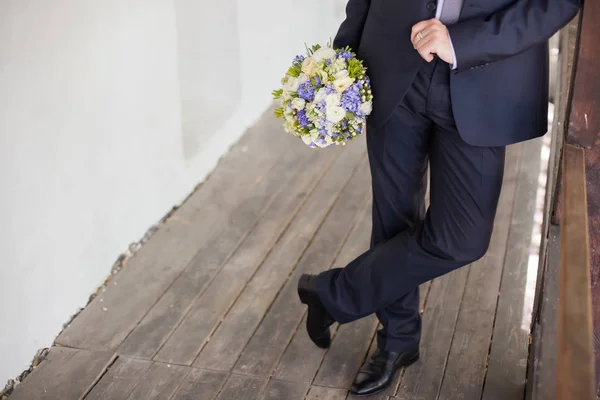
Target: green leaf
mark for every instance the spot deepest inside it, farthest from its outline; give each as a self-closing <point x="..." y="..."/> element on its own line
<point x="277" y="93"/>
<point x="295" y="70"/>
<point x="355" y="68"/>
<point x="279" y="112"/>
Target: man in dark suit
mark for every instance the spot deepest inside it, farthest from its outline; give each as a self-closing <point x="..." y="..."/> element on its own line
<point x="454" y="82"/>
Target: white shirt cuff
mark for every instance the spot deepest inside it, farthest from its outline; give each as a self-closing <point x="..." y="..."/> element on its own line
<point x="453" y="53"/>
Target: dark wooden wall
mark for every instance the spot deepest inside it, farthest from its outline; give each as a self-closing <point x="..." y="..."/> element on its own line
<point x="543" y="354"/>
<point x="583" y="130"/>
<point x="576" y="128"/>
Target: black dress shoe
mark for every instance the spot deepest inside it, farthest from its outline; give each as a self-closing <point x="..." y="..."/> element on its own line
<point x="318" y="320"/>
<point x="378" y="372"/>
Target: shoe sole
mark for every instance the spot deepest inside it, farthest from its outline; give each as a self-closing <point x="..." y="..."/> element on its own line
<point x="410" y="362"/>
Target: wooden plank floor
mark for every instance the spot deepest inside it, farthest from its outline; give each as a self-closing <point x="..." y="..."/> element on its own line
<point x="207" y="309"/>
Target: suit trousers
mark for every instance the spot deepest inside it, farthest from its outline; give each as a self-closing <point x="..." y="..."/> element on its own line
<point x="410" y="245"/>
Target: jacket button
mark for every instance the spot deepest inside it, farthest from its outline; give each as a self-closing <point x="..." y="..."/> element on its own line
<point x="431" y="6"/>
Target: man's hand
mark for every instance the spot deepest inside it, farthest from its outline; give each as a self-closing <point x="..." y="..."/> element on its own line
<point x="430" y="37"/>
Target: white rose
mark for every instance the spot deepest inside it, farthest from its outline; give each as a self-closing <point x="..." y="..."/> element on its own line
<point x="341" y="74"/>
<point x="298" y="104"/>
<point x="332" y="100"/>
<point x="343" y="83"/>
<point x="366" y="108"/>
<point x="324" y="53"/>
<point x="335" y="114"/>
<point x="320" y="95"/>
<point x="291" y="84"/>
<point x="303" y="77"/>
<point x="309" y="66"/>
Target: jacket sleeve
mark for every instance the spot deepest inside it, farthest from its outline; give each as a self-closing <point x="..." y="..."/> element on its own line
<point x="516" y="28"/>
<point x="351" y="29"/>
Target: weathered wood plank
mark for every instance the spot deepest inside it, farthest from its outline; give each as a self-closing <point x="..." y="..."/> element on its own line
<point x="278" y="326"/>
<point x="546" y="332"/>
<point x="119" y="380"/>
<point x="152" y="270"/>
<point x="159" y="382"/>
<point x="64" y="374"/>
<point x="347" y="353"/>
<point x="201" y="384"/>
<point x="302" y="358"/>
<point x="593" y="195"/>
<point x="281" y="390"/>
<point x="465" y="371"/>
<point x="507" y="364"/>
<point x="423" y="379"/>
<point x="383" y="395"/>
<point x="225" y="346"/>
<point x="325" y="393"/>
<point x="575" y="375"/>
<point x="227" y="261"/>
<point x="240" y="387"/>
<point x="424" y="290"/>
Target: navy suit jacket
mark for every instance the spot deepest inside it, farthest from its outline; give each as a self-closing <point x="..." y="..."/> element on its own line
<point x="499" y="90"/>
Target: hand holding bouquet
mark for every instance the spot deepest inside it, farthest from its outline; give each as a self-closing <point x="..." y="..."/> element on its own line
<point x="325" y="97"/>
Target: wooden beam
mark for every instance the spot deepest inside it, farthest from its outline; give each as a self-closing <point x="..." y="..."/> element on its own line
<point x="575" y="375"/>
<point x="583" y="130"/>
<point x="569" y="38"/>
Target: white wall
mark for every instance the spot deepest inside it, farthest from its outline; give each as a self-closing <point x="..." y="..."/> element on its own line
<point x="110" y="113"/>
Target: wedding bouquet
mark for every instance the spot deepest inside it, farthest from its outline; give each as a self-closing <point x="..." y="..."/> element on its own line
<point x="325" y="97"/>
